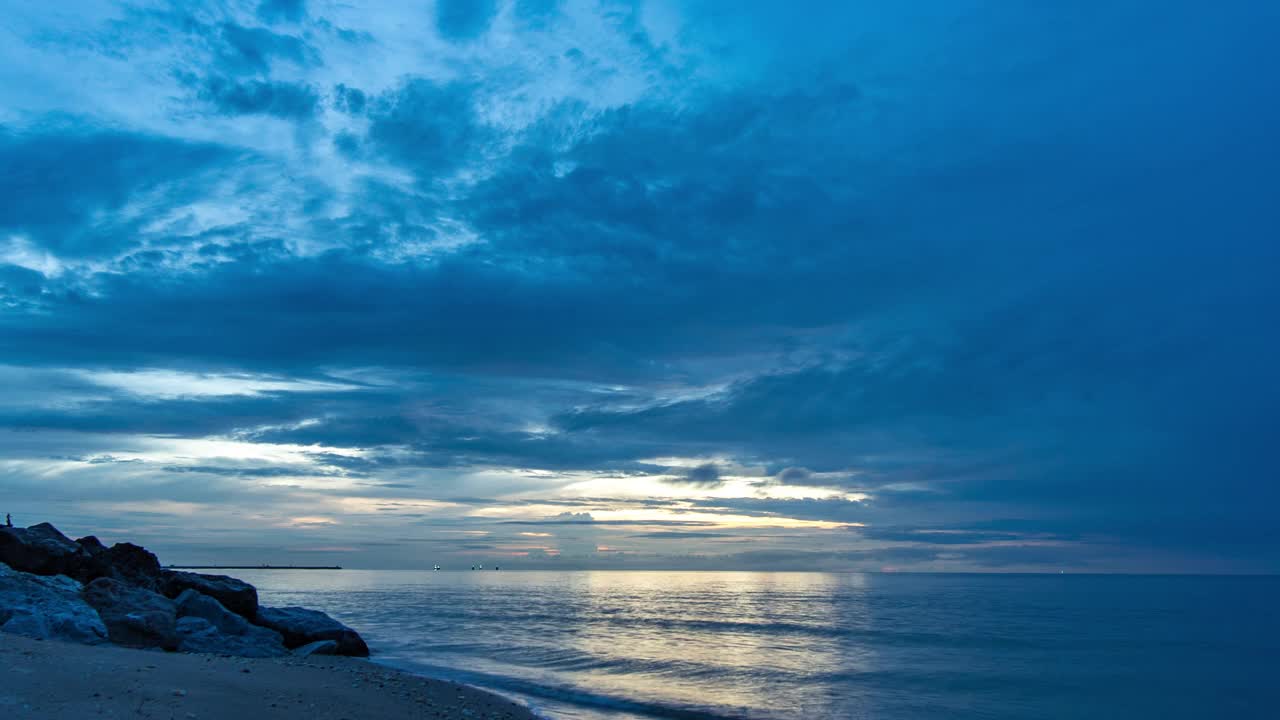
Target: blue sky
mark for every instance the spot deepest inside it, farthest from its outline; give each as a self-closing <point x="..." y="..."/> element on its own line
<point x="923" y="286"/>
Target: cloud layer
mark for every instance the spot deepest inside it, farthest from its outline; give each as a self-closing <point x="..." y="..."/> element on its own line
<point x="664" y="284"/>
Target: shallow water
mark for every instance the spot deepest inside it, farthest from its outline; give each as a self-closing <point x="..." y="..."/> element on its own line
<point x="625" y="645"/>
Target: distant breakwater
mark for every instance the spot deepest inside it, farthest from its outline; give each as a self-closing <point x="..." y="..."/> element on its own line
<point x="254" y="567"/>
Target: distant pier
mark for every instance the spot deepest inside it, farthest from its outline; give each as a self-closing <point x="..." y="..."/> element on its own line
<point x="254" y="567"/>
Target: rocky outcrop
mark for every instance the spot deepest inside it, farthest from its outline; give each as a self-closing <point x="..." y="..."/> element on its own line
<point x="48" y="608"/>
<point x="84" y="591"/>
<point x="41" y="550"/>
<point x="301" y="626"/>
<point x="235" y="595"/>
<point x="134" y="616"/>
<point x="226" y="633"/>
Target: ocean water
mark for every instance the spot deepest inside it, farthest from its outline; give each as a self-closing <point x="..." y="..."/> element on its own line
<point x="630" y="645"/>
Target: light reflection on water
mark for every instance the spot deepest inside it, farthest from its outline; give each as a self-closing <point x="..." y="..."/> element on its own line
<point x="594" y="645"/>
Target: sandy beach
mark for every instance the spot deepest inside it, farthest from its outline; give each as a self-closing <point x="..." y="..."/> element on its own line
<point x="61" y="681"/>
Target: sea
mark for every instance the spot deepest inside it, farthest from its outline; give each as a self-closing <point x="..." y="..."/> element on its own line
<point x="637" y="645"/>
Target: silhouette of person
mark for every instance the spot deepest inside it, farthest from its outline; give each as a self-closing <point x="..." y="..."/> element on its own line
<point x="8" y="520"/>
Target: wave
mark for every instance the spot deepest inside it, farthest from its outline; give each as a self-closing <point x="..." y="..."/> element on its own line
<point x="522" y="688"/>
<point x="721" y="628"/>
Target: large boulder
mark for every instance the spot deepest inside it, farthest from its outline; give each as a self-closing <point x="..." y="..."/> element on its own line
<point x="126" y="562"/>
<point x="197" y="635"/>
<point x="134" y="616"/>
<point x="204" y="625"/>
<point x="132" y="564"/>
<point x="48" y="608"/>
<point x="235" y="595"/>
<point x="91" y="545"/>
<point x="42" y="550"/>
<point x="301" y="626"/>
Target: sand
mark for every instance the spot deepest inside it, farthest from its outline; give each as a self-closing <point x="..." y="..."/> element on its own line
<point x="60" y="681"/>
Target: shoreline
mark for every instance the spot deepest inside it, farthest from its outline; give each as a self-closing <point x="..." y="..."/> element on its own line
<point x="65" y="681"/>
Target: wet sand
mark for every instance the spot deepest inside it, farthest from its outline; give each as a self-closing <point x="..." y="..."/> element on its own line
<point x="61" y="681"/>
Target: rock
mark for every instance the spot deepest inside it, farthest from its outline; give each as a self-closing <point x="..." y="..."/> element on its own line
<point x="194" y="604"/>
<point x="130" y="564"/>
<point x="319" y="647"/>
<point x="134" y="616"/>
<point x="91" y="544"/>
<point x="48" y="608"/>
<point x="42" y="550"/>
<point x="301" y="626"/>
<point x="227" y="633"/>
<point x="236" y="595"/>
<point x="126" y="593"/>
<point x="197" y="635"/>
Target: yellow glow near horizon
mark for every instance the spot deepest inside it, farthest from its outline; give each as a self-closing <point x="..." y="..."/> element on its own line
<point x="670" y="488"/>
<point x="311" y="521"/>
<point x="643" y="515"/>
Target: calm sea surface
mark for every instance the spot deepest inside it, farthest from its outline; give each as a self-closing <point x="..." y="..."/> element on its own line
<point x="595" y="645"/>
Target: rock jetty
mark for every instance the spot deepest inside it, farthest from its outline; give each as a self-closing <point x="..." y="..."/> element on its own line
<point x="53" y="587"/>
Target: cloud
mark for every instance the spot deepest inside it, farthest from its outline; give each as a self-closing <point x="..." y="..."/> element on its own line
<point x="348" y="99"/>
<point x="281" y="99"/>
<point x="64" y="186"/>
<point x="245" y="50"/>
<point x="171" y="384"/>
<point x="287" y="10"/>
<point x="706" y="475"/>
<point x="535" y="273"/>
<point x="676" y="535"/>
<point x="793" y="476"/>
<point x="426" y="126"/>
<point x="464" y="19"/>
<point x="536" y="13"/>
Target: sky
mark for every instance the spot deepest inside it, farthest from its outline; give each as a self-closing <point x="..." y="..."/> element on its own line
<point x="945" y="285"/>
